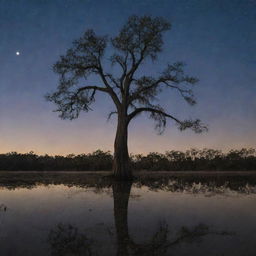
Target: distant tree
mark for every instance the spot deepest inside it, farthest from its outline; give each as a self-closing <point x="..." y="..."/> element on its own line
<point x="139" y="40"/>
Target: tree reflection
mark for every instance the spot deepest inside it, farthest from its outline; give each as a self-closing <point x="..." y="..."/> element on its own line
<point x="66" y="240"/>
<point x="121" y="194"/>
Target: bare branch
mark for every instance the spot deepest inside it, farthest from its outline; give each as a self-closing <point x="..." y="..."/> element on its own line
<point x="110" y="89"/>
<point x="172" y="77"/>
<point x="113" y="80"/>
<point x="152" y="110"/>
<point x="140" y="33"/>
<point x="92" y="87"/>
<point x="111" y="113"/>
<point x="159" y="115"/>
<point x="71" y="102"/>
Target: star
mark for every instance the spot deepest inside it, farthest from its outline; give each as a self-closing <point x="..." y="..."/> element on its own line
<point x="17" y="53"/>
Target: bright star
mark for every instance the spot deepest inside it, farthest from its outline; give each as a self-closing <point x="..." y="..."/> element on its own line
<point x="17" y="53"/>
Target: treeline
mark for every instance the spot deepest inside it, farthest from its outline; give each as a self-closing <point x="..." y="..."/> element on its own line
<point x="190" y="160"/>
<point x="197" y="160"/>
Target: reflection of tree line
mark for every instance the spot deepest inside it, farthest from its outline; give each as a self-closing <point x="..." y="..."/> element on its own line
<point x="193" y="159"/>
<point x="67" y="240"/>
<point x="216" y="184"/>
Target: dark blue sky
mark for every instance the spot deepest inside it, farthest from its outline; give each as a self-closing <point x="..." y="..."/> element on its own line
<point x="216" y="38"/>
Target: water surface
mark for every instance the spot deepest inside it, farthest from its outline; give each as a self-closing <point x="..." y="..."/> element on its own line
<point x="62" y="214"/>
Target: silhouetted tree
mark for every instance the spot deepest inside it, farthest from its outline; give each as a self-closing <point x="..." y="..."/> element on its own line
<point x="139" y="40"/>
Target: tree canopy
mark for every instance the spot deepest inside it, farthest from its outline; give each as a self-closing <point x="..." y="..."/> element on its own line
<point x="139" y="40"/>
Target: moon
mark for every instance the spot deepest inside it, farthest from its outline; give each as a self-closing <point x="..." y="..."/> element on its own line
<point x="17" y="53"/>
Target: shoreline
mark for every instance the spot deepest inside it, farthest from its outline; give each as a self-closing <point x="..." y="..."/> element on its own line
<point x="143" y="172"/>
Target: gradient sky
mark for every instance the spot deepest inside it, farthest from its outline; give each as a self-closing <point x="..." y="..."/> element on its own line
<point x="216" y="38"/>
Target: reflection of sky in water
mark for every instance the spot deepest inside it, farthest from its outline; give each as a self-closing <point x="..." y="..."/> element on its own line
<point x="31" y="214"/>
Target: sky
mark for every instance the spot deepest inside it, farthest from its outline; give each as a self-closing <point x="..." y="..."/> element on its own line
<point x="215" y="38"/>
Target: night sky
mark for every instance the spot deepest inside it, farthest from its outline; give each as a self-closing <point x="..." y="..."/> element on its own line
<point x="216" y="38"/>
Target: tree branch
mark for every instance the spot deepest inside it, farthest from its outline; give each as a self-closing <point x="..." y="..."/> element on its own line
<point x="171" y="77"/>
<point x="139" y="110"/>
<point x="92" y="87"/>
<point x="160" y="116"/>
<point x="109" y="88"/>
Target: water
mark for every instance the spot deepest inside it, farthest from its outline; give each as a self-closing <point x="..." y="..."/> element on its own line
<point x="62" y="214"/>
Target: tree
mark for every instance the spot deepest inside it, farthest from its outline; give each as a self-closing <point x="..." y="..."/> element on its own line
<point x="139" y="40"/>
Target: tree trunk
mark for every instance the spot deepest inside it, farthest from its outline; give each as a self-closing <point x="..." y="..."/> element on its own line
<point x="121" y="164"/>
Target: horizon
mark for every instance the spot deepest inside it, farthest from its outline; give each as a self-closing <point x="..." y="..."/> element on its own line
<point x="130" y="153"/>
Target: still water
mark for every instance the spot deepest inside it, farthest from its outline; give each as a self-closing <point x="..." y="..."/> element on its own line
<point x="79" y="215"/>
